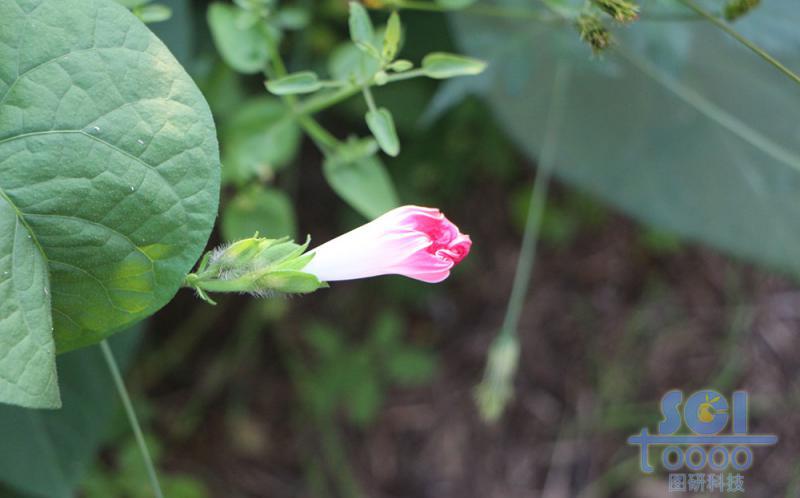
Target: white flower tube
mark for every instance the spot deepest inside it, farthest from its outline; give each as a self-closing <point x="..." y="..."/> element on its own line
<point x="413" y="241"/>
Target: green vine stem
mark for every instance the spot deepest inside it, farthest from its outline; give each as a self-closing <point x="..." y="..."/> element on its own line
<point x="108" y="355"/>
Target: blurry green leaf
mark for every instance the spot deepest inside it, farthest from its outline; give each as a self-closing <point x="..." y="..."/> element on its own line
<point x="221" y="86"/>
<point x="701" y="143"/>
<point x="153" y="13"/>
<point x="245" y="47"/>
<point x="391" y="39"/>
<point x="410" y="367"/>
<point x="386" y="332"/>
<point x="293" y="17"/>
<point x="364" y="399"/>
<point x="266" y="211"/>
<point x="360" y="387"/>
<point x="302" y="82"/>
<point x="325" y="340"/>
<point x="381" y="125"/>
<point x="45" y="454"/>
<point x="440" y="65"/>
<point x="362" y="181"/>
<point x="258" y="140"/>
<point x="109" y="159"/>
<point x="361" y="31"/>
<point x="455" y="4"/>
<point x="347" y="63"/>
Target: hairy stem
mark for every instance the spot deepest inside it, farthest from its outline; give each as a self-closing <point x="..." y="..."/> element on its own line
<point x="108" y="355"/>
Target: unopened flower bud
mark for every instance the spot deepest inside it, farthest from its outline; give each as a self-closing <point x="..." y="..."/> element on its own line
<point x="735" y="9"/>
<point x="621" y="10"/>
<point x="413" y="241"/>
<point x="593" y="32"/>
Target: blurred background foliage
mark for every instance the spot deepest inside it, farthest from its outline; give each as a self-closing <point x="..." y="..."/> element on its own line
<point x="366" y="389"/>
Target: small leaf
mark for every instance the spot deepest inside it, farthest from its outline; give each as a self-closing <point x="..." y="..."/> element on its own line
<point x="410" y="366"/>
<point x="153" y="13"/>
<point x="361" y="31"/>
<point x="391" y="39"/>
<point x="381" y="124"/>
<point x="302" y="82"/>
<point x="243" y="46"/>
<point x="266" y="211"/>
<point x="361" y="180"/>
<point x="324" y="340"/>
<point x="364" y="399"/>
<point x="441" y="65"/>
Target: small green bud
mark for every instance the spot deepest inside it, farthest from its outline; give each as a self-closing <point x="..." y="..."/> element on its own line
<point x="381" y="78"/>
<point x="735" y="9"/>
<point x="239" y="254"/>
<point x="621" y="10"/>
<point x="496" y="389"/>
<point x="400" y="65"/>
<point x="593" y="32"/>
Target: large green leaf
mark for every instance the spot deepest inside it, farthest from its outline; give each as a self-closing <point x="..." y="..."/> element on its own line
<point x="691" y="132"/>
<point x="108" y="165"/>
<point x="45" y="453"/>
<point x="28" y="369"/>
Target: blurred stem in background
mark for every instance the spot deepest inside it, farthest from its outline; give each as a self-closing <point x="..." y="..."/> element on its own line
<point x="724" y="26"/>
<point x="108" y="355"/>
<point x="559" y="16"/>
<point x="496" y="389"/>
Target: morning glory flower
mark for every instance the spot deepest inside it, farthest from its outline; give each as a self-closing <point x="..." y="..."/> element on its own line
<point x="416" y="242"/>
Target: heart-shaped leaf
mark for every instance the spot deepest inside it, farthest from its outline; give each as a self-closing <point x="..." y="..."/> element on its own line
<point x="109" y="175"/>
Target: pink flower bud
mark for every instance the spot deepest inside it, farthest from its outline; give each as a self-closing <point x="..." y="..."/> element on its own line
<point x="413" y="241"/>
